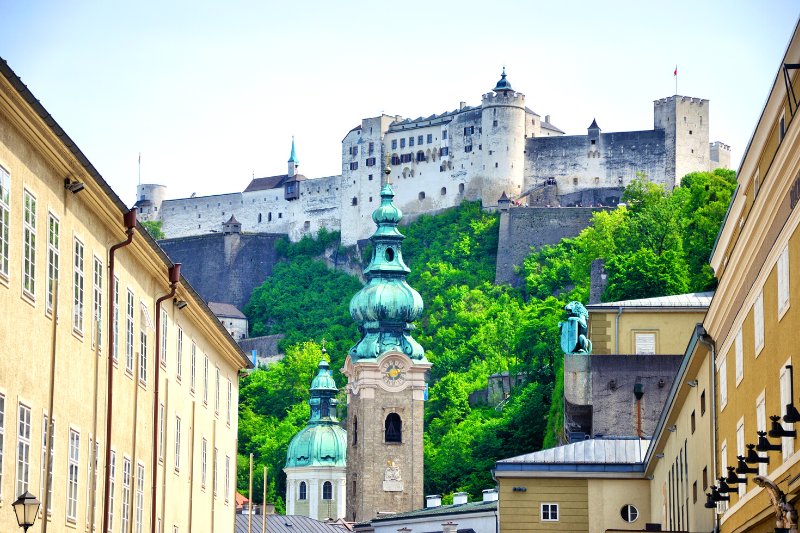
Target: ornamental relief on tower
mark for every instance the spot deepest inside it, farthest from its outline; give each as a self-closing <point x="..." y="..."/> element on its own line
<point x="392" y="482"/>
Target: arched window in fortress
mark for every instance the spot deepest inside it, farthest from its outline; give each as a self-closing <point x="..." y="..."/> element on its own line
<point x="259" y="217"/>
<point x="269" y="217"/>
<point x="421" y="196"/>
<point x="444" y="191"/>
<point x="393" y="428"/>
<point x="460" y="187"/>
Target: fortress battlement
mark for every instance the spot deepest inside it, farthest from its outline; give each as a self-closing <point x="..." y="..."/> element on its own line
<point x="684" y="99"/>
<point x="514" y="98"/>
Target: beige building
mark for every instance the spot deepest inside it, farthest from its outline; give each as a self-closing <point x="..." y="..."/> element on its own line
<point x="167" y="375"/>
<point x="754" y="316"/>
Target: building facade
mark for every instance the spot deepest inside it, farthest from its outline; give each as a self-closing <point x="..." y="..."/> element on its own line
<point x="472" y="153"/>
<point x="386" y="385"/>
<point x="108" y="353"/>
<point x="315" y="460"/>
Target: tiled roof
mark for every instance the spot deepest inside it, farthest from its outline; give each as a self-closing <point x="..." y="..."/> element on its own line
<point x="471" y="507"/>
<point x="226" y="310"/>
<point x="263" y="184"/>
<point x="276" y="523"/>
<point x="693" y="299"/>
<point x="599" y="451"/>
<point x="548" y="126"/>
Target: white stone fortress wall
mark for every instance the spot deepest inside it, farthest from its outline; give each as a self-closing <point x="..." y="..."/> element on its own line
<point x="472" y="153"/>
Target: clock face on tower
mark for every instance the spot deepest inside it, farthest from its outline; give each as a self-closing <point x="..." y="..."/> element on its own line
<point x="393" y="373"/>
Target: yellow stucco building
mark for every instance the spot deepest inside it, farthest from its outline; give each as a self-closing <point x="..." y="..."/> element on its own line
<point x="168" y="448"/>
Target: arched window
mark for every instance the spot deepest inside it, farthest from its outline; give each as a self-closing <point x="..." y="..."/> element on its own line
<point x="324" y="409"/>
<point x="394" y="428"/>
<point x="269" y="217"/>
<point x="421" y="196"/>
<point x="259" y="217"/>
<point x="355" y="430"/>
<point x="302" y="491"/>
<point x="460" y="187"/>
<point x="327" y="491"/>
<point x="444" y="191"/>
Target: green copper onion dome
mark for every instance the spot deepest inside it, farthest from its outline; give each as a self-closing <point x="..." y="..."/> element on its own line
<point x="503" y="84"/>
<point x="322" y="442"/>
<point x="387" y="305"/>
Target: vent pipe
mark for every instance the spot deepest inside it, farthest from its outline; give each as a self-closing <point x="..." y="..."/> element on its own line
<point x="460" y="498"/>
<point x="433" y="500"/>
<point x="490" y="495"/>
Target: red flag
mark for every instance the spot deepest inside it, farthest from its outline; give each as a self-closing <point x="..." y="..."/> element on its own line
<point x="676" y="71"/>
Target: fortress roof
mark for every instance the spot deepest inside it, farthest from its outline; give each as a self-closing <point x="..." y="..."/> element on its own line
<point x="594" y="125"/>
<point x="225" y="310"/>
<point x="548" y="126"/>
<point x="270" y="182"/>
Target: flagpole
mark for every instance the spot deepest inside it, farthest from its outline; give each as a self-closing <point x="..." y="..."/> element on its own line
<point x="676" y="80"/>
<point x="140" y="168"/>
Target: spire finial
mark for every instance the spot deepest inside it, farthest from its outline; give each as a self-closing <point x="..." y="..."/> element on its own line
<point x="293" y="157"/>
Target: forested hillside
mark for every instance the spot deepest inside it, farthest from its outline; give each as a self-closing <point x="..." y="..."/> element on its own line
<point x="471" y="328"/>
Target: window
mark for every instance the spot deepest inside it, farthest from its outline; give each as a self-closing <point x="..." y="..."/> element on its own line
<point x="421" y="196"/>
<point x="194" y="364"/>
<point x="177" y="443"/>
<point x="227" y="477"/>
<point x="693" y="422"/>
<point x="129" y="333"/>
<point x="430" y="138"/>
<point x="23" y="449"/>
<point x="161" y="432"/>
<point x="443" y="191"/>
<point x="143" y="351"/>
<point x="53" y="227"/>
<point x="116" y="319"/>
<point x="405" y="158"/>
<point x="327" y="491"/>
<point x="179" y="359"/>
<point x="280" y="215"/>
<point x="72" y="475"/>
<point x="230" y="400"/>
<point x="5" y="223"/>
<point x="402" y="143"/>
<point x="371" y="148"/>
<point x="2" y="436"/>
<point x="112" y="485"/>
<point x="786" y="387"/>
<point x="205" y="380"/>
<point x="393" y="428"/>
<point x="354" y="165"/>
<point x="705" y="477"/>
<point x="574" y="181"/>
<point x="495" y="125"/>
<point x="355" y="430"/>
<point x="354" y="150"/>
<point x="739" y="357"/>
<point x="740" y="451"/>
<point x="549" y="512"/>
<point x="77" y="301"/>
<point x="139" y="518"/>
<point x="395" y="160"/>
<point x="92" y="482"/>
<point x="444" y="134"/>
<point x="629" y="513"/>
<point x="216" y="398"/>
<point x="302" y="495"/>
<point x="411" y="141"/>
<point x="723" y="451"/>
<point x="420" y="157"/>
<point x="373" y="162"/>
<point x="468" y="148"/>
<point x="164" y="339"/>
<point x="419" y="139"/>
<point x="758" y="321"/>
<point x="783" y="282"/>
<point x="126" y="494"/>
<point x="394" y="144"/>
<point x="469" y="130"/>
<point x="761" y="425"/>
<point x="269" y="217"/>
<point x="460" y="187"/>
<point x="370" y="163"/>
<point x="216" y="453"/>
<point x="97" y="300"/>
<point x="723" y="383"/>
<point x="203" y="451"/>
<point x="703" y="405"/>
<point x="444" y="151"/>
<point x="645" y="343"/>
<point x="29" y="251"/>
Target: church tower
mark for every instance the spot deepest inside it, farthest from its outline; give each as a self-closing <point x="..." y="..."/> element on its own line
<point x="385" y="382"/>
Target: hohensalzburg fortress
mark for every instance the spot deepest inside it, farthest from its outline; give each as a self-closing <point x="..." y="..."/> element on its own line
<point x="480" y="152"/>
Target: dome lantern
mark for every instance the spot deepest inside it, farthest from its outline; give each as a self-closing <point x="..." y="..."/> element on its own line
<point x="503" y="86"/>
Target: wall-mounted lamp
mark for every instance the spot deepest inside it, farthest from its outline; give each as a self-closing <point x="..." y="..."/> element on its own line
<point x="180" y="303"/>
<point x="660" y="455"/>
<point x="673" y="428"/>
<point x="692" y="383"/>
<point x="74" y="186"/>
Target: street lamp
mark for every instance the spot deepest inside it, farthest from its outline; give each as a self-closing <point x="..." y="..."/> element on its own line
<point x="26" y="508"/>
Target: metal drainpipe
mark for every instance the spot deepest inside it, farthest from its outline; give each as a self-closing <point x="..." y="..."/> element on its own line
<point x="713" y="412"/>
<point x="174" y="278"/>
<point x="129" y="220"/>
<point x="616" y="335"/>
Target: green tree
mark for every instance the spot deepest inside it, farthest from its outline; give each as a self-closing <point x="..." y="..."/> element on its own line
<point x="153" y="227"/>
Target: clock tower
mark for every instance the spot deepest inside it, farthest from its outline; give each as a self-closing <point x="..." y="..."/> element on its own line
<point x="385" y="382"/>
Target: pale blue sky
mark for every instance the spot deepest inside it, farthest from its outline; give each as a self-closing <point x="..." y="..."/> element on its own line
<point x="211" y="92"/>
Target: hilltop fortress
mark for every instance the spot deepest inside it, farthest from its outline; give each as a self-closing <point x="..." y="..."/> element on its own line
<point x="473" y="152"/>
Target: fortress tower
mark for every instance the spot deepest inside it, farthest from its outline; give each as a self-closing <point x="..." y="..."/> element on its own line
<point x="503" y="132"/>
<point x="149" y="197"/>
<point x="385" y="382"/>
<point x="685" y="122"/>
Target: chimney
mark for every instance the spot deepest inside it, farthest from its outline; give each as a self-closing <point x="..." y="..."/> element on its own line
<point x="449" y="527"/>
<point x="433" y="500"/>
<point x="462" y="105"/>
<point x="268" y="508"/>
<point x="490" y="495"/>
<point x="547" y="118"/>
<point x="459" y="498"/>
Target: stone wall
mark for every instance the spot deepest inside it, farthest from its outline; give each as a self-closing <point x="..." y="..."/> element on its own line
<point x="225" y="268"/>
<point x="266" y="348"/>
<point x="523" y="228"/>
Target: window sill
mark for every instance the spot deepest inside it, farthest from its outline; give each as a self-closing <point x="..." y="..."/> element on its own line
<point x="143" y="384"/>
<point x="393" y="443"/>
<point x="129" y="373"/>
<point x="72" y="523"/>
<point x="5" y="281"/>
<point x="77" y="334"/>
<point x="28" y="298"/>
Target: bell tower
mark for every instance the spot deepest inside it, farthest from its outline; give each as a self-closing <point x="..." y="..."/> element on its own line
<point x="385" y="382"/>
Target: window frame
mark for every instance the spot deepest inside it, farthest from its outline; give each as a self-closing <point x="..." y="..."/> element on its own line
<point x="29" y="229"/>
<point x="24" y="441"/>
<point x="125" y="504"/>
<point x="177" y="443"/>
<point x="97" y="300"/>
<point x="2" y="439"/>
<point x="78" y="285"/>
<point x="130" y="329"/>
<point x="203" y="462"/>
<point x="179" y="355"/>
<point x="302" y="491"/>
<point x="164" y="325"/>
<point x="139" y="500"/>
<point x="193" y="375"/>
<point x="550" y="507"/>
<point x="112" y="478"/>
<point x="45" y="427"/>
<point x="758" y="322"/>
<point x="5" y="223"/>
<point x="53" y="257"/>
<point x="73" y="474"/>
<point x="324" y="485"/>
